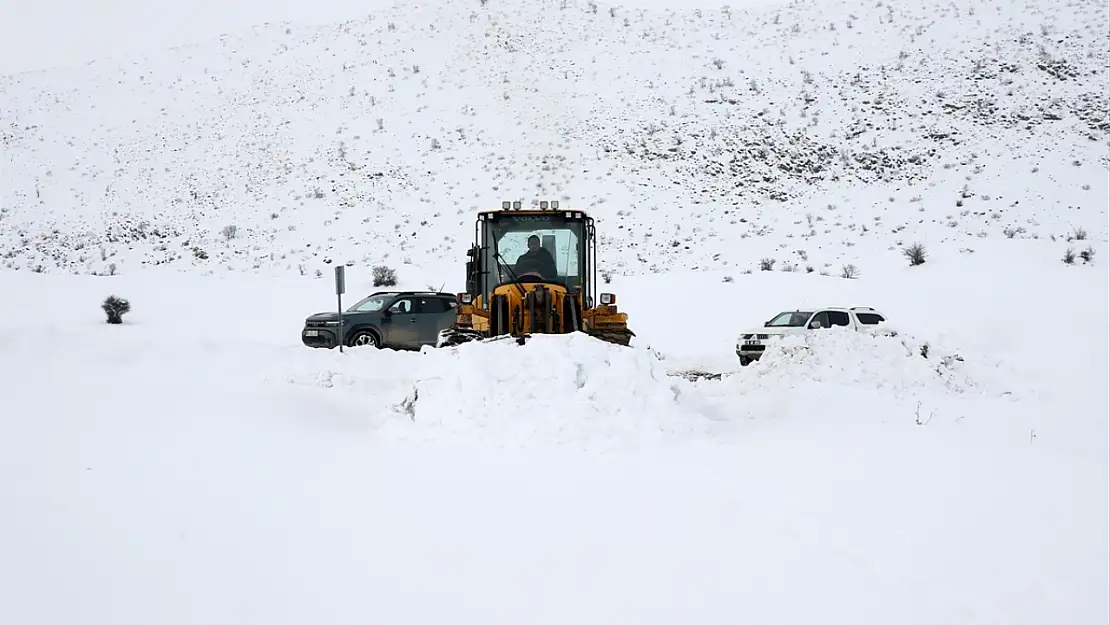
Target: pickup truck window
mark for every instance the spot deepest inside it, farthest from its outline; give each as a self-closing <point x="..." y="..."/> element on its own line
<point x="870" y="318"/>
<point x="839" y="318"/>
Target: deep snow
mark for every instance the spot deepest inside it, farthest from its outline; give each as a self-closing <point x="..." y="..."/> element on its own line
<point x="196" y="464"/>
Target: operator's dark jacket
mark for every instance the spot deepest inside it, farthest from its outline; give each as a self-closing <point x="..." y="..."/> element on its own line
<point x="539" y="261"/>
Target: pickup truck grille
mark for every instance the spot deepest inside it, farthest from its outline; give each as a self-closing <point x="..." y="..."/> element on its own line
<point x="762" y="337"/>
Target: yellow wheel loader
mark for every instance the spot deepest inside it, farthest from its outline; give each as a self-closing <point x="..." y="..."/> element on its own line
<point x="534" y="272"/>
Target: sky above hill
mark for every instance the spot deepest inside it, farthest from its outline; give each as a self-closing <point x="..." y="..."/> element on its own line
<point x="50" y="33"/>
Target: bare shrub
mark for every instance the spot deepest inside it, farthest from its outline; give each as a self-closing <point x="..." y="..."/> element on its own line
<point x="384" y="276"/>
<point x="115" y="307"/>
<point x="849" y="272"/>
<point x="766" y="264"/>
<point x="916" y="254"/>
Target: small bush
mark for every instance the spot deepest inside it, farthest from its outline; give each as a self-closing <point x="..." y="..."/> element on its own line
<point x="1069" y="256"/>
<point x="384" y="276"/>
<point x="849" y="272"/>
<point x="916" y="254"/>
<point x="1087" y="254"/>
<point x="767" y="264"/>
<point x="115" y="308"/>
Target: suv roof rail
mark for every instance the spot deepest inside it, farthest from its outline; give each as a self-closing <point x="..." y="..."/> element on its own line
<point x="863" y="308"/>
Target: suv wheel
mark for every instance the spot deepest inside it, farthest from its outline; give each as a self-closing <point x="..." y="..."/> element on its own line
<point x="364" y="338"/>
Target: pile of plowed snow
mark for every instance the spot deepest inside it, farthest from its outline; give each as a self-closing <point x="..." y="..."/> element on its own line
<point x="897" y="362"/>
<point x="578" y="390"/>
<point x="559" y="389"/>
<point x="839" y="375"/>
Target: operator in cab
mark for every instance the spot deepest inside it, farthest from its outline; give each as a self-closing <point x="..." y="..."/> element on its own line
<point x="538" y="260"/>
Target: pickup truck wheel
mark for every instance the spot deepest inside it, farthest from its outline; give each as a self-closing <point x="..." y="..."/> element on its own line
<point x="364" y="338"/>
<point x="745" y="361"/>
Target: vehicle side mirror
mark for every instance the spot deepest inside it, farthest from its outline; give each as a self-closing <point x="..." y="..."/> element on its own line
<point x="766" y="324"/>
<point x="387" y="313"/>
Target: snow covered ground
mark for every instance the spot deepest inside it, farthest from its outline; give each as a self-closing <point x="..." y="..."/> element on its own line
<point x="196" y="464"/>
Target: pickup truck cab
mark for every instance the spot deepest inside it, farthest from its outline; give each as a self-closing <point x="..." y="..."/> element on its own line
<point x="751" y="343"/>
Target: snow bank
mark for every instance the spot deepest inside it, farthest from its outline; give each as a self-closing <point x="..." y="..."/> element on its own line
<point x="839" y="377"/>
<point x="200" y="451"/>
<point x="899" y="363"/>
<point x="557" y="389"/>
<point x="579" y="391"/>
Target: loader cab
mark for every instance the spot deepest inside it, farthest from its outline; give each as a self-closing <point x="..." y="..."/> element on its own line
<point x="501" y="237"/>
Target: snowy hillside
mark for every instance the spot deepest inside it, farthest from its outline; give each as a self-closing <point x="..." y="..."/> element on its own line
<point x="815" y="133"/>
<point x="197" y="464"/>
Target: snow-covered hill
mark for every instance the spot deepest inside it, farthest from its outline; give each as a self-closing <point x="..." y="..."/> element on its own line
<point x="196" y="464"/>
<point x="825" y="129"/>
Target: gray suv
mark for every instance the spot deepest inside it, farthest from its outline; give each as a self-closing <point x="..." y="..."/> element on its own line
<point x="392" y="319"/>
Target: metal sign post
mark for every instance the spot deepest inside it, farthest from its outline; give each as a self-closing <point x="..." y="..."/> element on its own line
<point x="340" y="288"/>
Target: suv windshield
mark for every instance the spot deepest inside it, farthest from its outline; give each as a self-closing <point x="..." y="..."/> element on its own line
<point x="373" y="303"/>
<point x="794" y="319"/>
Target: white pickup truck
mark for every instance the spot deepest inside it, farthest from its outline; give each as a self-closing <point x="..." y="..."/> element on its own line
<point x="751" y="343"/>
